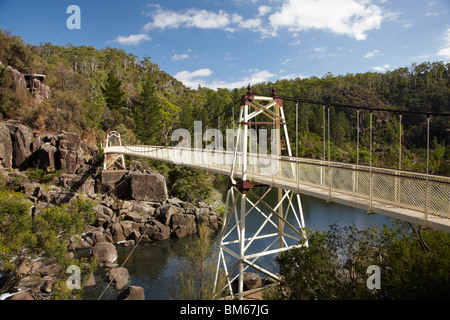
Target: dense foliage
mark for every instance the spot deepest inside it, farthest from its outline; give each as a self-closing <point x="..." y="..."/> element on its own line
<point x="413" y="264"/>
<point x="45" y="235"/>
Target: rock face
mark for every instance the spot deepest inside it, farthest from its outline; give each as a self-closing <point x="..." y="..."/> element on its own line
<point x="142" y="186"/>
<point x="119" y="277"/>
<point x="21" y="139"/>
<point x="148" y="186"/>
<point x="19" y="79"/>
<point x="132" y="293"/>
<point x="251" y="281"/>
<point x="21" y="148"/>
<point x="105" y="253"/>
<point x="6" y="150"/>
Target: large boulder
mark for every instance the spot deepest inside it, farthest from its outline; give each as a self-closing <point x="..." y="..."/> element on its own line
<point x="66" y="160"/>
<point x="69" y="141"/>
<point x="105" y="253"/>
<point x="45" y="156"/>
<point x="5" y="147"/>
<point x="251" y="281"/>
<point x="132" y="293"/>
<point x="19" y="79"/>
<point x="21" y="139"/>
<point x="148" y="186"/>
<point x="166" y="212"/>
<point x="119" y="277"/>
<point x="155" y="231"/>
<point x="25" y="295"/>
<point x="117" y="232"/>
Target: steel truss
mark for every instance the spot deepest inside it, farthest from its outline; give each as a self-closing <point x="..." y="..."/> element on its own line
<point x="242" y="202"/>
<point x="110" y="160"/>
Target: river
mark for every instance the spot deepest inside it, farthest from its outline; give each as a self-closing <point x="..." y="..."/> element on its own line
<point x="152" y="265"/>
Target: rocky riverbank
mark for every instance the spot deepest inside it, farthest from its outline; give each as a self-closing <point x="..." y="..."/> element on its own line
<point x="135" y="208"/>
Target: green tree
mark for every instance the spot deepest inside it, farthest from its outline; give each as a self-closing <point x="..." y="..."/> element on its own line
<point x="145" y="110"/>
<point x="113" y="94"/>
<point x="45" y="235"/>
<point x="196" y="276"/>
<point x="414" y="264"/>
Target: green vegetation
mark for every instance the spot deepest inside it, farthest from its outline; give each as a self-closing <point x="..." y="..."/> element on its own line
<point x="413" y="263"/>
<point x="196" y="275"/>
<point x="45" y="235"/>
<point x="42" y="176"/>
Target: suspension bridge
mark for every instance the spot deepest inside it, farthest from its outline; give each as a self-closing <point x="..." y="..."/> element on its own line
<point x="422" y="199"/>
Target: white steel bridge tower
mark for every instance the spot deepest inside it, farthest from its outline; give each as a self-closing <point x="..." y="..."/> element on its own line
<point x="281" y="226"/>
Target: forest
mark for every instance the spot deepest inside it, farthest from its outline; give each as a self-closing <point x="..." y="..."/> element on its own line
<point x="94" y="90"/>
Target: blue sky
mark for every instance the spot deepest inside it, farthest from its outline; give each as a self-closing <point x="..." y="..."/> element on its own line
<point x="230" y="44"/>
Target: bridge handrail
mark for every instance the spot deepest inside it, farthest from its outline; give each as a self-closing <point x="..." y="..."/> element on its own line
<point x="322" y="163"/>
<point x="405" y="189"/>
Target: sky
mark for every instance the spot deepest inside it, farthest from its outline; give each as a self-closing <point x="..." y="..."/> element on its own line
<point x="229" y="44"/>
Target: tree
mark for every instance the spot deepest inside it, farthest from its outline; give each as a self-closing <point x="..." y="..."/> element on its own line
<point x="414" y="264"/>
<point x="113" y="94"/>
<point x="145" y="110"/>
<point x="196" y="276"/>
<point x="25" y="236"/>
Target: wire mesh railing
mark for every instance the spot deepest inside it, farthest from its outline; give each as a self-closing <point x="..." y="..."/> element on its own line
<point x="429" y="194"/>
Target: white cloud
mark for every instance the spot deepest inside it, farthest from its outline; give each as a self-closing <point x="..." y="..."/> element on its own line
<point x="320" y="49"/>
<point x="348" y="17"/>
<point x="371" y="54"/>
<point x="263" y="10"/>
<point x="191" y="18"/>
<point x="444" y="51"/>
<point x="198" y="77"/>
<point x="381" y="69"/>
<point x="132" y="40"/>
<point x="295" y="43"/>
<point x="292" y="76"/>
<point x="178" y="57"/>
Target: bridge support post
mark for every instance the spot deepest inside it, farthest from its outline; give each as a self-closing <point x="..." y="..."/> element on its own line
<point x="274" y="227"/>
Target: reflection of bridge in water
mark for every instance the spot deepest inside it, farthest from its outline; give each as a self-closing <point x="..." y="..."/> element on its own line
<point x="419" y="198"/>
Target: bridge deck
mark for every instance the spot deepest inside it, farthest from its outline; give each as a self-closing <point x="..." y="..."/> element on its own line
<point x="413" y="197"/>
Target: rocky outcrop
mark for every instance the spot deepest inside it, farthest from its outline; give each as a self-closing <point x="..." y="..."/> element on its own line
<point x="141" y="186"/>
<point x="40" y="88"/>
<point x="19" y="79"/>
<point x="125" y="222"/>
<point x="6" y="149"/>
<point x="21" y="139"/>
<point x="21" y="148"/>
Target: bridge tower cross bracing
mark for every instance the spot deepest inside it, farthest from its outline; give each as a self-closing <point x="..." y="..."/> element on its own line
<point x="111" y="160"/>
<point x="242" y="202"/>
